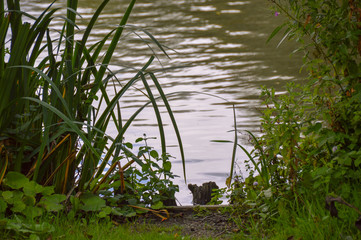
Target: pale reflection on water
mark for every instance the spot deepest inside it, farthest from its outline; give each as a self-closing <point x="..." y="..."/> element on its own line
<point x="220" y="47"/>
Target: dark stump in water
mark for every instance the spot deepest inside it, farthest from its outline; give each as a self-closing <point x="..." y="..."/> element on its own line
<point x="202" y="194"/>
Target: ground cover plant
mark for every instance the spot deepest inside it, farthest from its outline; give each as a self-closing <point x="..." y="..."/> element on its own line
<point x="304" y="171"/>
<point x="54" y="113"/>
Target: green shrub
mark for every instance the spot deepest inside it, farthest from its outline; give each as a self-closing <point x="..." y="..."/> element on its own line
<point x="310" y="143"/>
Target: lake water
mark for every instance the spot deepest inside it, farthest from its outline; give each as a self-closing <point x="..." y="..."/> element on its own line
<point x="217" y="50"/>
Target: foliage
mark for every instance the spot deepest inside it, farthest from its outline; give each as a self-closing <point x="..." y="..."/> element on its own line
<point x="25" y="201"/>
<point x="151" y="186"/>
<point x="54" y="114"/>
<point x="58" y="128"/>
<point x="310" y="141"/>
<point x="216" y="195"/>
<point x="124" y="195"/>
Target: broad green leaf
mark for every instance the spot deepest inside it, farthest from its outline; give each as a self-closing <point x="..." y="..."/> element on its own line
<point x="29" y="200"/>
<point x="167" y="166"/>
<point x="145" y="168"/>
<point x="158" y="205"/>
<point x="3" y="205"/>
<point x="91" y="202"/>
<point x="128" y="145"/>
<point x="52" y="203"/>
<point x="32" y="212"/>
<point x="31" y="188"/>
<point x="47" y="190"/>
<point x="102" y="214"/>
<point x="132" y="201"/>
<point x="12" y="197"/>
<point x="154" y="154"/>
<point x="357" y="161"/>
<point x="44" y="227"/>
<point x="16" y="226"/>
<point x="105" y="212"/>
<point x="8" y="196"/>
<point x="75" y="202"/>
<point x="19" y="206"/>
<point x="16" y="180"/>
<point x="117" y="211"/>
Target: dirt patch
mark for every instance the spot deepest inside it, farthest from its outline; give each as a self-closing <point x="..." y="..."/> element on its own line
<point x="197" y="223"/>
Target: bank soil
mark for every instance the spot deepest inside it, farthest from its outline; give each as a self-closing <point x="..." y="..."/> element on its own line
<point x="197" y="223"/>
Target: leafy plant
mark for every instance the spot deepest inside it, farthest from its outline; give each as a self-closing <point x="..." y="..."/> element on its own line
<point x="310" y="139"/>
<point x="124" y="194"/>
<point x="22" y="201"/>
<point x="330" y="142"/>
<point x="149" y="186"/>
<point x="28" y="198"/>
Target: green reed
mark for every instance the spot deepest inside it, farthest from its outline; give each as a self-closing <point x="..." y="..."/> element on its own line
<point x="52" y="127"/>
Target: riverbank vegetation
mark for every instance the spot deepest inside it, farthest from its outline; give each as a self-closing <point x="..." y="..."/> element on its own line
<point x="304" y="171"/>
<point x="56" y="154"/>
<point x="56" y="157"/>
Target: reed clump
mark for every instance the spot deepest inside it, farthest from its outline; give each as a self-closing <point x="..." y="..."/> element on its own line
<point x="54" y="113"/>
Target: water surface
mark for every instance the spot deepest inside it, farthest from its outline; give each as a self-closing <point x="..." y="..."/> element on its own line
<point x="217" y="51"/>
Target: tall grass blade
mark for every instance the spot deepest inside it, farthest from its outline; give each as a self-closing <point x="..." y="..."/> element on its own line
<point x="112" y="45"/>
<point x="151" y="37"/>
<point x="53" y="85"/>
<point x="235" y="142"/>
<point x="171" y="115"/>
<point x="105" y="115"/>
<point x="87" y="32"/>
<point x="68" y="121"/>
<point x="157" y="114"/>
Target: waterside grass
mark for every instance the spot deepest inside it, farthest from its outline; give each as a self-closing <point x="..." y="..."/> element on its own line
<point x="54" y="115"/>
<point x="55" y="110"/>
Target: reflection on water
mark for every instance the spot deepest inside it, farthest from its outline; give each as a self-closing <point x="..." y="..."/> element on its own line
<point x="216" y="47"/>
